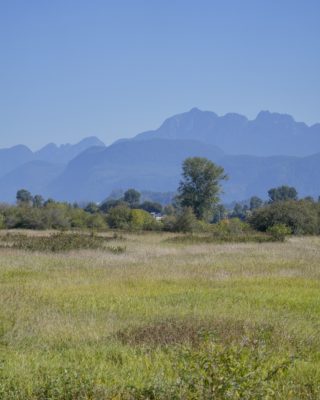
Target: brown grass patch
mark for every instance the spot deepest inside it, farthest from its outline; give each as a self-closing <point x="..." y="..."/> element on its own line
<point x="194" y="331"/>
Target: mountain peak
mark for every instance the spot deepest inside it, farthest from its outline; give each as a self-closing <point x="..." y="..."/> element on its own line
<point x="267" y="116"/>
<point x="91" y="141"/>
<point x="66" y="152"/>
<point x="195" y="110"/>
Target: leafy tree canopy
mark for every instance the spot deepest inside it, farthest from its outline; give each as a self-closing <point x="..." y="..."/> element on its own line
<point x="282" y="193"/>
<point x="200" y="185"/>
<point x="24" y="197"/>
<point x="132" y="197"/>
<point x="255" y="203"/>
<point x="151" y="206"/>
<point x="38" y="201"/>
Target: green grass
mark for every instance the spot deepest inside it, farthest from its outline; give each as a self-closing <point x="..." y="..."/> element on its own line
<point x="161" y="320"/>
<point x="58" y="242"/>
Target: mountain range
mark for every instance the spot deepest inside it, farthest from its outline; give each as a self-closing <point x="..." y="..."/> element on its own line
<point x="271" y="150"/>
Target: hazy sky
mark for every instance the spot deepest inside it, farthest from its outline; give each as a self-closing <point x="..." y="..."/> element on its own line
<point x="74" y="68"/>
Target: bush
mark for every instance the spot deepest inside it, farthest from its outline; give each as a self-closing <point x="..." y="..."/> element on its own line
<point x="52" y="215"/>
<point x="142" y="220"/>
<point x="96" y="221"/>
<point x="56" y="216"/>
<point x="58" y="242"/>
<point x="24" y="218"/>
<point x="279" y="232"/>
<point x="186" y="221"/>
<point x="301" y="217"/>
<point x="215" y="371"/>
<point x="2" y="222"/>
<point x="119" y="217"/>
<point x="169" y="223"/>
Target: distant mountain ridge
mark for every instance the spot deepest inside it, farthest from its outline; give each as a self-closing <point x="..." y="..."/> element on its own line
<point x="273" y="149"/>
<point x="13" y="157"/>
<point x="268" y="134"/>
<point x="150" y="165"/>
<point x="66" y="152"/>
<point x="249" y="175"/>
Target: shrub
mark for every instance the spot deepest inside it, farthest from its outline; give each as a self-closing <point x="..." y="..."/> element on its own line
<point x="2" y="222"/>
<point x="96" y="221"/>
<point x="78" y="218"/>
<point x="142" y="220"/>
<point x="56" y="216"/>
<point x="186" y="221"/>
<point x="230" y="227"/>
<point x="169" y="223"/>
<point x="59" y="242"/>
<point x="279" y="232"/>
<point x="119" y="217"/>
<point x="302" y="217"/>
<point x="24" y="218"/>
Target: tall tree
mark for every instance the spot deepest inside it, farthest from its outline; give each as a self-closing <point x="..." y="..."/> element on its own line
<point x="255" y="202"/>
<point x="239" y="211"/>
<point x="219" y="213"/>
<point x="200" y="185"/>
<point x="38" y="201"/>
<point x="282" y="193"/>
<point x="24" y="197"/>
<point x="132" y="197"/>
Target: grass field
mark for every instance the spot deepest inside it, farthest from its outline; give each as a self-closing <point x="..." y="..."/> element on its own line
<point x="161" y="320"/>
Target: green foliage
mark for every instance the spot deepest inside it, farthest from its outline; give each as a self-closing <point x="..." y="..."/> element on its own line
<point x="38" y="201"/>
<point x="106" y="206"/>
<point x="161" y="321"/>
<point x="209" y="371"/>
<point x="151" y="206"/>
<point x="142" y="220"/>
<point x="169" y="209"/>
<point x="132" y="197"/>
<point x="57" y="242"/>
<point x="96" y="222"/>
<point x="91" y="208"/>
<point x="301" y="217"/>
<point x="226" y="231"/>
<point x="279" y="232"/>
<point x="200" y="186"/>
<point x="282" y="193"/>
<point x="255" y="203"/>
<point x="2" y="221"/>
<point x="220" y="372"/>
<point x="169" y="223"/>
<point x="119" y="217"/>
<point x="240" y="211"/>
<point x="51" y="215"/>
<point x="57" y="216"/>
<point x="219" y="213"/>
<point x="186" y="221"/>
<point x="24" y="197"/>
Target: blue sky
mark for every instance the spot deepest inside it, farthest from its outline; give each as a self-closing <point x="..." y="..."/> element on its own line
<point x="74" y="68"/>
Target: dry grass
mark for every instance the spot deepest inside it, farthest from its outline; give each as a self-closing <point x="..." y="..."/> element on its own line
<point x="97" y="312"/>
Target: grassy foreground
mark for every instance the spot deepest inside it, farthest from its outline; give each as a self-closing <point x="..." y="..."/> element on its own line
<point x="161" y="320"/>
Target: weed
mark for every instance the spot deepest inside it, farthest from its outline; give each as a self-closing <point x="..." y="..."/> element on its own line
<point x="58" y="242"/>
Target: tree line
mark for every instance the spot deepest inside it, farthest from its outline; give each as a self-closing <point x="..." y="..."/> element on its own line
<point x="195" y="208"/>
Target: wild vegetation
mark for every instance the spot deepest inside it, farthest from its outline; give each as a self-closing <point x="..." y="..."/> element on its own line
<point x="59" y="242"/>
<point x="130" y="300"/>
<point x="196" y="208"/>
<point x="161" y="319"/>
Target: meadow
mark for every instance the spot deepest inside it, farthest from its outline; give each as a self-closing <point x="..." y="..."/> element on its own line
<point x="147" y="316"/>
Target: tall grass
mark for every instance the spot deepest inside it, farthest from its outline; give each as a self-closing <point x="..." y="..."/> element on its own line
<point x="161" y="320"/>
